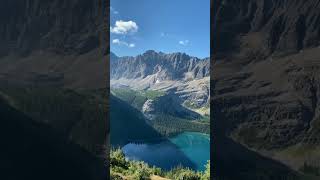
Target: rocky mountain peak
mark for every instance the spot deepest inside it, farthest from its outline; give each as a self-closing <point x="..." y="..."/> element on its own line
<point x="150" y="53"/>
<point x="172" y="66"/>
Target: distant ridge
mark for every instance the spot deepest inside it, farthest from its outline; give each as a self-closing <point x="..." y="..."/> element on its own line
<point x="172" y="66"/>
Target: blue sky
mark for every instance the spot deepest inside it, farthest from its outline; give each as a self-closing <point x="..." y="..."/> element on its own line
<point x="161" y="25"/>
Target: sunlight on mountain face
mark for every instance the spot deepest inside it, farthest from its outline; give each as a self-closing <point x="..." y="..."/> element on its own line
<point x="172" y="94"/>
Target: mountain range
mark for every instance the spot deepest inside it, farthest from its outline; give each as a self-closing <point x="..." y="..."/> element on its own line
<point x="186" y="76"/>
<point x="174" y="66"/>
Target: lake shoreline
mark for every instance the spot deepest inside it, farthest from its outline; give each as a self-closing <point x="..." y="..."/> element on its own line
<point x="187" y="149"/>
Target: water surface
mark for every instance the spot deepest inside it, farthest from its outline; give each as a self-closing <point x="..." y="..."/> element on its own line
<point x="188" y="149"/>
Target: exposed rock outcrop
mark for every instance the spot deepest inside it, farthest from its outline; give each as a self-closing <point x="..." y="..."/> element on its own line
<point x="177" y="72"/>
<point x="266" y="26"/>
<point x="169" y="104"/>
<point x="47" y="47"/>
<point x="61" y="26"/>
<point x="265" y="87"/>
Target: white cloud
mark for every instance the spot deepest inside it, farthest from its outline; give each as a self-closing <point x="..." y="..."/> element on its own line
<point x="112" y="10"/>
<point x="116" y="41"/>
<point x="124" y="27"/>
<point x="184" y="42"/>
<point x="119" y="42"/>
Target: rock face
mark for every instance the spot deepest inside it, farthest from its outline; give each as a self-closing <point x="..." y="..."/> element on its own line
<point x="59" y="26"/>
<point x="187" y="76"/>
<point x="265" y="87"/>
<point x="58" y="43"/>
<point x="47" y="47"/>
<point x="278" y="109"/>
<point x="175" y="66"/>
<point x="267" y="26"/>
<point x="148" y="107"/>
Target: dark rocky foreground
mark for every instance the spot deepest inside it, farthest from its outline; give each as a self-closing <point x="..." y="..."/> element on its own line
<point x="32" y="150"/>
<point x="265" y="83"/>
<point x="53" y="77"/>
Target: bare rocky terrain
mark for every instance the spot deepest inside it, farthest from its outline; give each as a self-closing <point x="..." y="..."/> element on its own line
<point x="185" y="76"/>
<point x="53" y="46"/>
<point x="53" y="75"/>
<point x="265" y="84"/>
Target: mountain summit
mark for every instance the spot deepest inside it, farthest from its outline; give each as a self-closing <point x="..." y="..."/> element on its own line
<point x="174" y="66"/>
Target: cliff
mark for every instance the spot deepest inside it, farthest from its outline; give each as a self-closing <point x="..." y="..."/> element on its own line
<point x="265" y="87"/>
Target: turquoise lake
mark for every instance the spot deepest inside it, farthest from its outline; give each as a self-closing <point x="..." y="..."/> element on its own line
<point x="188" y="149"/>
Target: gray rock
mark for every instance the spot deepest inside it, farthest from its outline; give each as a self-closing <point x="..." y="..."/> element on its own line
<point x="173" y="66"/>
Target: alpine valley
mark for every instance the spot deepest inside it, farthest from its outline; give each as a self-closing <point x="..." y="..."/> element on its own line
<point x="170" y="90"/>
<point x="160" y="105"/>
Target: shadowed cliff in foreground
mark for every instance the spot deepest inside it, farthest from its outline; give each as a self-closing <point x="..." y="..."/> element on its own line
<point x="264" y="82"/>
<point x="53" y="75"/>
<point x="32" y="150"/>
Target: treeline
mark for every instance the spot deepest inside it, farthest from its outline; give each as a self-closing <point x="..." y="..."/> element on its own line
<point x="136" y="98"/>
<point x="132" y="97"/>
<point x="121" y="169"/>
<point x="168" y="125"/>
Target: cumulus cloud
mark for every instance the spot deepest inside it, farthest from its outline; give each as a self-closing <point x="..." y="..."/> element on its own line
<point x="119" y="42"/>
<point x="184" y="42"/>
<point x="124" y="27"/>
<point x="132" y="45"/>
<point x="116" y="41"/>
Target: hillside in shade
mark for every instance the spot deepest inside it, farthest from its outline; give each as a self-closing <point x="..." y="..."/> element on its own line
<point x="128" y="124"/>
<point x="53" y="75"/>
<point x="41" y="151"/>
<point x="265" y="87"/>
<point x="56" y="48"/>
